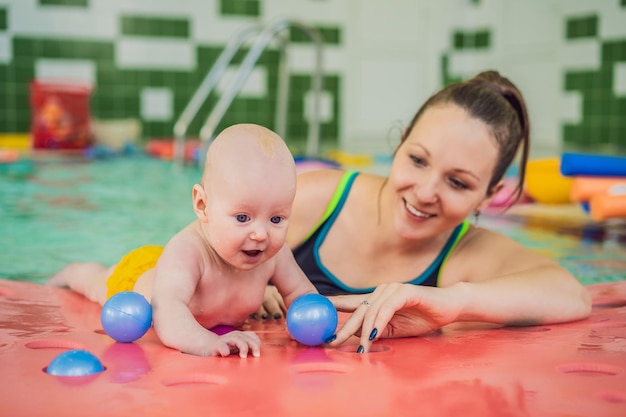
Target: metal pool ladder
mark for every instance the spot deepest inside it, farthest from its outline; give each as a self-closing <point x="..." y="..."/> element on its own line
<point x="262" y="40"/>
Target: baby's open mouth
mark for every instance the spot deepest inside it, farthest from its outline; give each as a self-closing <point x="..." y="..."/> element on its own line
<point x="252" y="253"/>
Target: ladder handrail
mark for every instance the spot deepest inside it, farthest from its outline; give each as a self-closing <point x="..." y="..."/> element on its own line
<point x="261" y="42"/>
<point x="206" y="87"/>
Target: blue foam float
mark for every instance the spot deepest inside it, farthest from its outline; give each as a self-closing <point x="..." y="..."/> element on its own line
<point x="573" y="164"/>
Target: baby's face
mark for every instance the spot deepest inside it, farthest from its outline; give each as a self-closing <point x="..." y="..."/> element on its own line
<point x="248" y="215"/>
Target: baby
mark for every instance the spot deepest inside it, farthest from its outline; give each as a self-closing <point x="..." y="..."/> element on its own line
<point x="214" y="272"/>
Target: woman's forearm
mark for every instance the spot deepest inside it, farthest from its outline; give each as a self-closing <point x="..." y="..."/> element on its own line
<point x="544" y="295"/>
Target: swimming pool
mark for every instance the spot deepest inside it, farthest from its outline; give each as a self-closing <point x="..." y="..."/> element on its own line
<point x="75" y="209"/>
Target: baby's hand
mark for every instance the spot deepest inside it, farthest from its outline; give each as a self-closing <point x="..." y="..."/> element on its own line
<point x="237" y="341"/>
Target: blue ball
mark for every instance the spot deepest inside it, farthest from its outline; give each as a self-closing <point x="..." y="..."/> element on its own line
<point x="75" y="363"/>
<point x="311" y="319"/>
<point x="126" y="316"/>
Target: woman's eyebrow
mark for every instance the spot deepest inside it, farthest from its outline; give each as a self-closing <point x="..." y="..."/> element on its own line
<point x="465" y="171"/>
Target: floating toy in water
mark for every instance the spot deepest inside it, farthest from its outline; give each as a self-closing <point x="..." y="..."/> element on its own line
<point x="8" y="155"/>
<point x="75" y="363"/>
<point x="311" y="319"/>
<point x="607" y="206"/>
<point x="545" y="183"/>
<point x="13" y="165"/>
<point x="583" y="188"/>
<point x="304" y="164"/>
<point x="581" y="164"/>
<point x="126" y="316"/>
<point x="164" y="149"/>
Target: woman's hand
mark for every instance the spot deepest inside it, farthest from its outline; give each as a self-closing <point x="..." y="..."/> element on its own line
<point x="273" y="305"/>
<point x="395" y="310"/>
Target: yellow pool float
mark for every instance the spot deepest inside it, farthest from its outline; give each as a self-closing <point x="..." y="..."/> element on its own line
<point x="545" y="183"/>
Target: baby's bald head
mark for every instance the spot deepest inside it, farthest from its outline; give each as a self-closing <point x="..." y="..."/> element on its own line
<point x="247" y="152"/>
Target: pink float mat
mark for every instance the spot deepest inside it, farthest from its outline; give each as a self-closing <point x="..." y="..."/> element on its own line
<point x="574" y="369"/>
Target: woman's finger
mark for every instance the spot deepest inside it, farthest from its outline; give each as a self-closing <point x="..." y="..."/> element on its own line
<point x="353" y="325"/>
<point x="347" y="303"/>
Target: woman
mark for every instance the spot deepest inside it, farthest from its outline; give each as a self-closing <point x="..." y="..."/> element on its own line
<point x="401" y="247"/>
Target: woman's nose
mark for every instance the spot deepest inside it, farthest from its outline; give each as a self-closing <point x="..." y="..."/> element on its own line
<point x="427" y="190"/>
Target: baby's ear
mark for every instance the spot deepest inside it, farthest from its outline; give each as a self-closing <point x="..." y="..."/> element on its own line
<point x="199" y="202"/>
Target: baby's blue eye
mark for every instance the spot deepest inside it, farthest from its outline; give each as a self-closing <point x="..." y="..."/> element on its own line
<point x="242" y="218"/>
<point x="276" y="219"/>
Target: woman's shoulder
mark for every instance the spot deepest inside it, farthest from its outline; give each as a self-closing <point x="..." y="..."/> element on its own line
<point x="483" y="253"/>
<point x="314" y="192"/>
<point x="321" y="176"/>
<point x="318" y="187"/>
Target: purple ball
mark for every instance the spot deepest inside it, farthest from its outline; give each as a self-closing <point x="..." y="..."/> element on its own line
<point x="126" y="316"/>
<point x="311" y="319"/>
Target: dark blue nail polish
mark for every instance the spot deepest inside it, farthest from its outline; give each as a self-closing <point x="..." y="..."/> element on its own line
<point x="265" y="316"/>
<point x="330" y="339"/>
<point x="277" y="316"/>
<point x="361" y="349"/>
<point x="374" y="333"/>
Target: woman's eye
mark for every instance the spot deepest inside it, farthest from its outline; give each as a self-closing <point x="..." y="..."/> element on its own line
<point x="242" y="218"/>
<point x="276" y="219"/>
<point x="417" y="160"/>
<point x="458" y="184"/>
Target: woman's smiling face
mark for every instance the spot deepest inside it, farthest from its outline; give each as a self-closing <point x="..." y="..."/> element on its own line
<point x="441" y="172"/>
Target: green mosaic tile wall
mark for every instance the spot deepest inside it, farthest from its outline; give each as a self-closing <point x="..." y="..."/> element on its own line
<point x="603" y="124"/>
<point x="240" y="7"/>
<point x="118" y="90"/>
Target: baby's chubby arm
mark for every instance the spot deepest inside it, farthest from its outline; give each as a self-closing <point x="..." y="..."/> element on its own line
<point x="177" y="275"/>
<point x="289" y="279"/>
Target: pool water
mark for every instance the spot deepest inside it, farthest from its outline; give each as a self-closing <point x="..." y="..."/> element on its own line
<point x="74" y="209"/>
<point x="81" y="210"/>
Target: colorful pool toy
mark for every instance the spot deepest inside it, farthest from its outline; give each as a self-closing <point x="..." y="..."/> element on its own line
<point x="599" y="183"/>
<point x="574" y="369"/>
<point x="164" y="149"/>
<point x="579" y="164"/>
<point x="13" y="164"/>
<point x="545" y="183"/>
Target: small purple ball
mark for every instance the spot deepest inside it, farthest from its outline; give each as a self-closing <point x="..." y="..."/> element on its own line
<point x="311" y="319"/>
<point x="126" y="316"/>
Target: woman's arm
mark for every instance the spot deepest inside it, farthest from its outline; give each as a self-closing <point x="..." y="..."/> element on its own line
<point x="529" y="287"/>
<point x="507" y="285"/>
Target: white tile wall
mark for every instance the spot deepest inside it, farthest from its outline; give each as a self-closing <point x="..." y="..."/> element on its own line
<point x="65" y="70"/>
<point x="583" y="54"/>
<point x="255" y="85"/>
<point x="6" y="49"/>
<point x="138" y="52"/>
<point x="156" y="104"/>
<point x="619" y="79"/>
